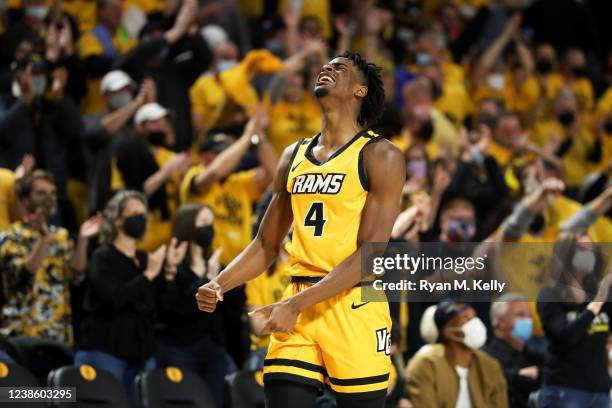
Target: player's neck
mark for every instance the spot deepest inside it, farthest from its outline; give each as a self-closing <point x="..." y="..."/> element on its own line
<point x="338" y="128"/>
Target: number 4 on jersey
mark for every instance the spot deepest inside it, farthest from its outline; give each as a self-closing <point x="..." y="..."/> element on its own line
<point x="314" y="218"/>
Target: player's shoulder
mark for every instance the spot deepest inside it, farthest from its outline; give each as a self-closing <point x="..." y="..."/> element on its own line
<point x="380" y="149"/>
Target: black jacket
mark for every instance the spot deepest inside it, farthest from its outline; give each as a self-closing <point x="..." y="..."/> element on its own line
<point x="181" y="322"/>
<point x="119" y="306"/>
<point x="577" y="356"/>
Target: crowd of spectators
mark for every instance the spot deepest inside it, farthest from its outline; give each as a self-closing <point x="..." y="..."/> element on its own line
<point x="139" y="139"/>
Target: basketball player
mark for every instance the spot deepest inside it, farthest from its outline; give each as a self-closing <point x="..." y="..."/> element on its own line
<point x="341" y="189"/>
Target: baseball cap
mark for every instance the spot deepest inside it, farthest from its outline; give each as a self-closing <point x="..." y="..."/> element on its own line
<point x="150" y="111"/>
<point x="215" y="143"/>
<point x="446" y="311"/>
<point x="114" y="80"/>
<point x="213" y="35"/>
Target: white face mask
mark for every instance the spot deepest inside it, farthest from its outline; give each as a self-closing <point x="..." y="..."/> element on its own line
<point x="37" y="12"/>
<point x="119" y="101"/>
<point x="224" y="65"/>
<point x="474" y="333"/>
<point x="610" y="356"/>
<point x="496" y="82"/>
<point x="39" y="84"/>
<point x="584" y="261"/>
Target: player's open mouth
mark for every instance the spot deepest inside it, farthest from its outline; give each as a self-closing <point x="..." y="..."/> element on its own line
<point x="325" y="78"/>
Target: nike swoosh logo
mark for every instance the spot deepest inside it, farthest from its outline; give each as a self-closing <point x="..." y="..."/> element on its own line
<point x="295" y="167"/>
<point x="354" y="306"/>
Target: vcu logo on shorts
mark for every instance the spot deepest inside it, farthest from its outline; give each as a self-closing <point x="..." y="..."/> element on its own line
<point x="317" y="183"/>
<point x="383" y="341"/>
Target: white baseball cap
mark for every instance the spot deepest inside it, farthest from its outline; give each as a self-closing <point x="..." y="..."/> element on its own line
<point x="150" y="111"/>
<point x="114" y="81"/>
<point x="213" y="35"/>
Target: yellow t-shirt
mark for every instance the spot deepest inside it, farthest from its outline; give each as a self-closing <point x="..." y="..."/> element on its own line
<point x="604" y="107"/>
<point x="320" y="9"/>
<point x="232" y="203"/>
<point x="575" y="164"/>
<point x="443" y="143"/>
<point x="84" y="13"/>
<point x="525" y="262"/>
<point x="290" y="122"/>
<point x="89" y="45"/>
<point x="7" y="197"/>
<point x="265" y="290"/>
<point x="454" y="102"/>
<point x="515" y="99"/>
<point x="147" y="6"/>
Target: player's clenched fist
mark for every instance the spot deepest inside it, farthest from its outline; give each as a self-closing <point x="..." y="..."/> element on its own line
<point x="281" y="317"/>
<point x="208" y="295"/>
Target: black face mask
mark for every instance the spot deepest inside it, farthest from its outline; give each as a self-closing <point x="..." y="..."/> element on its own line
<point x="566" y="118"/>
<point x="608" y="127"/>
<point x="544" y="66"/>
<point x="157" y="139"/>
<point x="537" y="225"/>
<point x="135" y="226"/>
<point x="426" y="131"/>
<point x="436" y="91"/>
<point x="488" y="120"/>
<point x="204" y="236"/>
<point x="579" y="72"/>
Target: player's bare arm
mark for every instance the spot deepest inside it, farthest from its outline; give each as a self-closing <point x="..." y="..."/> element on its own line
<point x="263" y="250"/>
<point x="385" y="169"/>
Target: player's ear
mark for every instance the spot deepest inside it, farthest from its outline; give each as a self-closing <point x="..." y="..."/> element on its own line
<point x="361" y="91"/>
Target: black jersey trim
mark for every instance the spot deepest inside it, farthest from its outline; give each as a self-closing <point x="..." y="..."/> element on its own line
<point x="363" y="175"/>
<point x="295" y="363"/>
<point x="308" y="154"/>
<point x="293" y="154"/>
<point x="360" y="381"/>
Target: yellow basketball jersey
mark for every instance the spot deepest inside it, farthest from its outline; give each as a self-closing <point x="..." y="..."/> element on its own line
<point x="327" y="200"/>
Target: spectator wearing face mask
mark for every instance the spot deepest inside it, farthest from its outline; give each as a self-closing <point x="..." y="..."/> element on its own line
<point x="575" y="316"/>
<point x="454" y="372"/>
<point x="100" y="48"/>
<point x="231" y="194"/>
<point x="512" y="345"/>
<point x="107" y="130"/>
<point x="426" y="126"/>
<point x="42" y="120"/>
<point x="579" y="150"/>
<point x="189" y="339"/>
<point x="575" y="76"/>
<point x="119" y="307"/>
<point x="457" y="221"/>
<point x="37" y="263"/>
<point x="450" y="97"/>
<point x="478" y="176"/>
<point x="174" y="59"/>
<point x="538" y="218"/>
<point x="146" y="164"/>
<point x="219" y="93"/>
<point x="30" y="26"/>
<point x="507" y="78"/>
<point x="294" y="112"/>
<point x="511" y="142"/>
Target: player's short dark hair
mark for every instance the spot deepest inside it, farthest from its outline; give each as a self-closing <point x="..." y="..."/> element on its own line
<point x="373" y="103"/>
